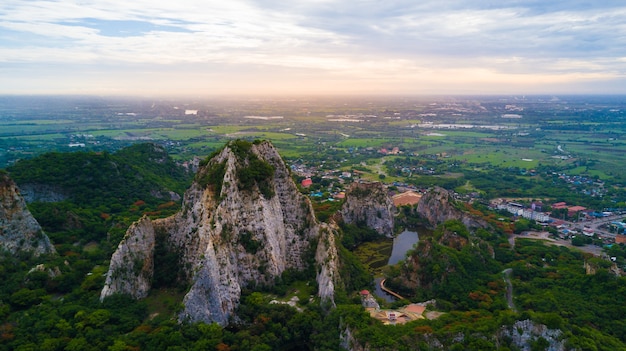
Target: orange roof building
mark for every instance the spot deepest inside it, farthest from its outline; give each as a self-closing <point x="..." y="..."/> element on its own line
<point x="576" y="209"/>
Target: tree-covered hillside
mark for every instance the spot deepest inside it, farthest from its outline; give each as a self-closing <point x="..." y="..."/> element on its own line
<point x="52" y="303"/>
<point x="139" y="172"/>
<point x="101" y="193"/>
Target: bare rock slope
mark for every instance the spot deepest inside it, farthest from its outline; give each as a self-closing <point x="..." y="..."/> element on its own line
<point x="369" y="204"/>
<point x="19" y="230"/>
<point x="242" y="223"/>
<point x="437" y="206"/>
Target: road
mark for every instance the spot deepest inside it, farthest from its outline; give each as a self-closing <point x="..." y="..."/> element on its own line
<point x="592" y="249"/>
<point x="596" y="224"/>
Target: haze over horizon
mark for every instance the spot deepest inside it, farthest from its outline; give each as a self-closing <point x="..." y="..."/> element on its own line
<point x="115" y="47"/>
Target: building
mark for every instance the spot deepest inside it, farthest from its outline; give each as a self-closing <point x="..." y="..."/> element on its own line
<point x="528" y="213"/>
<point x="307" y="182"/>
<point x="571" y="211"/>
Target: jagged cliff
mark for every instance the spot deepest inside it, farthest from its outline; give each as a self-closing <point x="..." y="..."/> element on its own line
<point x="134" y="257"/>
<point x="369" y="204"/>
<point x="437" y="206"/>
<point x="19" y="230"/>
<point x="242" y="223"/>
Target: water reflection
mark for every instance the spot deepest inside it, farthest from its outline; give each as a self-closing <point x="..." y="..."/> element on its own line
<point x="380" y="293"/>
<point x="401" y="244"/>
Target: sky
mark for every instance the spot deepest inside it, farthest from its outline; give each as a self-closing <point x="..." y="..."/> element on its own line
<point x="323" y="47"/>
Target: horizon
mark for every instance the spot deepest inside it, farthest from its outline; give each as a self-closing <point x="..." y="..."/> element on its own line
<point x="325" y="47"/>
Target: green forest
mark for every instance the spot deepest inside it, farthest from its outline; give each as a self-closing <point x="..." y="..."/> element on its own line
<point x="52" y="302"/>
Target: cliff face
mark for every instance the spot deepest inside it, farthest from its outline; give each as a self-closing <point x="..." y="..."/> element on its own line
<point x="524" y="333"/>
<point x="242" y="223"/>
<point x="132" y="265"/>
<point x="436" y="207"/>
<point x="19" y="230"/>
<point x="368" y="203"/>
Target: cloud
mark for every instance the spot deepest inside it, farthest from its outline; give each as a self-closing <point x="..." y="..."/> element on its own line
<point x="391" y="43"/>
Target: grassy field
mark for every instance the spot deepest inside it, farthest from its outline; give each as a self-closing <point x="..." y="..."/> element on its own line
<point x="375" y="254"/>
<point x="601" y="142"/>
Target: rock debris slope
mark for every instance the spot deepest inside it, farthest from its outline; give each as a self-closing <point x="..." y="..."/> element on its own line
<point x="19" y="230"/>
<point x="242" y="223"/>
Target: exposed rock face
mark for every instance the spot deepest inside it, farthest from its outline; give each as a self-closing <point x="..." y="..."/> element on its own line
<point x="19" y="230"/>
<point x="368" y="203"/>
<point x="328" y="257"/>
<point x="42" y="193"/>
<point x="132" y="266"/>
<point x="436" y="207"/>
<point x="240" y="225"/>
<point x="522" y="334"/>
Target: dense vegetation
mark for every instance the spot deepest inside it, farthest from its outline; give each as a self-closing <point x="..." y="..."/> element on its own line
<point x="56" y="307"/>
<point x="550" y="287"/>
<point x="103" y="192"/>
<point x="140" y="172"/>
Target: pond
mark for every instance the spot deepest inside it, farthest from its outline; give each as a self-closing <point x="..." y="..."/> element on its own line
<point x="401" y="245"/>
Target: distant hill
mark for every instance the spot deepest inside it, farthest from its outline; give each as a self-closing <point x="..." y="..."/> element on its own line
<point x="140" y="172"/>
<point x="94" y="196"/>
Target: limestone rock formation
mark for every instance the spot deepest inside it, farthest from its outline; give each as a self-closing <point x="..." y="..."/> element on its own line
<point x="369" y="204"/>
<point x="524" y="333"/>
<point x="132" y="266"/>
<point x="242" y="223"/>
<point x="19" y="230"/>
<point x="437" y="206"/>
<point x="328" y="257"/>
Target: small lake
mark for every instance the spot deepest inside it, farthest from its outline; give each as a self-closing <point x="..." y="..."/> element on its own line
<point x="401" y="244"/>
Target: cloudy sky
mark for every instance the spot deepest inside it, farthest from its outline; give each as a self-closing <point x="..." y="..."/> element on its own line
<point x="210" y="47"/>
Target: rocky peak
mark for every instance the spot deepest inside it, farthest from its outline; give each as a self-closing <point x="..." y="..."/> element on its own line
<point x="369" y="204"/>
<point x="19" y="230"/>
<point x="437" y="207"/>
<point x="242" y="223"/>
